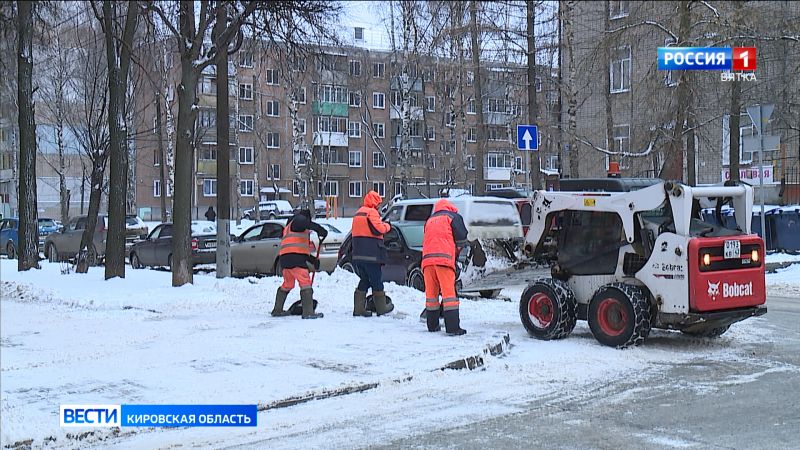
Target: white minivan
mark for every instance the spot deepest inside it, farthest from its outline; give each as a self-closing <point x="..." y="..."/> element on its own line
<point x="484" y="217"/>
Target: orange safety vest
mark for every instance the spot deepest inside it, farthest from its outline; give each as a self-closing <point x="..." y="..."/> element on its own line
<point x="362" y="227"/>
<point x="295" y="242"/>
<point x="438" y="245"/>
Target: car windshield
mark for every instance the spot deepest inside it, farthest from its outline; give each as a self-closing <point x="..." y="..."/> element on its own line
<point x="331" y="228"/>
<point x="413" y="234"/>
<point x="132" y="221"/>
<point x="494" y="213"/>
<point x="47" y="223"/>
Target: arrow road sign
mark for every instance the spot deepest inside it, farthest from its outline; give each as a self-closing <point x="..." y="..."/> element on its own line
<point x="527" y="137"/>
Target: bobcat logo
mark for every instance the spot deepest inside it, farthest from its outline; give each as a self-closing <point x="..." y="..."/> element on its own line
<point x="713" y="290"/>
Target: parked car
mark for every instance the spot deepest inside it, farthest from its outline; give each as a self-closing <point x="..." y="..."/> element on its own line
<point x="64" y="244"/>
<point x="270" y="210"/>
<point x="135" y="229"/>
<point x="9" y="237"/>
<point x="320" y="208"/>
<point x="156" y="249"/>
<point x="255" y="251"/>
<point x="46" y="228"/>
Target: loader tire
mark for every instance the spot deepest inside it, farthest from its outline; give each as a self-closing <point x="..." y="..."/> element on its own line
<point x="619" y="315"/>
<point x="710" y="333"/>
<point x="548" y="309"/>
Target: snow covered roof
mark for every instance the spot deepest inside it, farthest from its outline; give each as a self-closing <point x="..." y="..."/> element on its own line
<point x="271" y="190"/>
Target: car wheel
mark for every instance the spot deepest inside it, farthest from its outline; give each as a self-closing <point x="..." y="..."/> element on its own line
<point x="548" y="309"/>
<point x="247" y="216"/>
<point x="416" y="279"/>
<point x="348" y="266"/>
<point x="10" y="251"/>
<point x="52" y="253"/>
<point x="272" y="216"/>
<point x="135" y="263"/>
<point x="490" y="293"/>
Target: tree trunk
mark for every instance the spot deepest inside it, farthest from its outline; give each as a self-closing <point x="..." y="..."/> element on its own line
<point x="184" y="156"/>
<point x="571" y="91"/>
<point x="28" y="241"/>
<point x="733" y="128"/>
<point x="532" y="166"/>
<point x="480" y="188"/>
<point x="223" y="151"/>
<point x="95" y="194"/>
<point x="118" y="153"/>
<point x="691" y="153"/>
<point x="673" y="164"/>
<point x="162" y="159"/>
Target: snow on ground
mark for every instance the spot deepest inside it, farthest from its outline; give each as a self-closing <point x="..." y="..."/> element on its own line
<point x="78" y="339"/>
<point x="782" y="258"/>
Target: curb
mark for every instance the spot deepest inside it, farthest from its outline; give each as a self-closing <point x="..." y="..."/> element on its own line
<point x="470" y="362"/>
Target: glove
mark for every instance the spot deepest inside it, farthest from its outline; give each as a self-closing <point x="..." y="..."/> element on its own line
<point x="323" y="233"/>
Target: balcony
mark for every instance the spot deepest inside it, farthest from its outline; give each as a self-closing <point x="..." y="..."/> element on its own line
<point x="415" y="113"/>
<point x="414" y="142"/>
<point x="6" y="174"/>
<point x="497" y="173"/>
<point x="319" y="108"/>
<point x="206" y="167"/>
<point x="407" y="83"/>
<point x="337" y="170"/>
<point x="497" y="118"/>
<point x="325" y="139"/>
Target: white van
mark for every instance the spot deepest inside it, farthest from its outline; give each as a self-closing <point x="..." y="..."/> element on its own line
<point x="484" y="217"/>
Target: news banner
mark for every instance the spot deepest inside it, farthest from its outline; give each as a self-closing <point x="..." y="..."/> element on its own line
<point x="737" y="63"/>
<point x="158" y="415"/>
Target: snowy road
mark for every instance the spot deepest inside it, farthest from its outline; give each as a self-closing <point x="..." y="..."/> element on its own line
<point x="70" y="339"/>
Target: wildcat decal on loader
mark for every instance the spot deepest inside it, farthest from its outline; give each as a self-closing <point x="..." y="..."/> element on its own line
<point x="628" y="262"/>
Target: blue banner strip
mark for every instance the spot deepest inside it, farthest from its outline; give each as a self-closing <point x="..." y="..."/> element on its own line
<point x="189" y="415"/>
<point x="695" y="58"/>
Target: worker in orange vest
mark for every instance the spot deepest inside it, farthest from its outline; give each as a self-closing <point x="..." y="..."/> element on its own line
<point x="296" y="259"/>
<point x="369" y="254"/>
<point x="444" y="236"/>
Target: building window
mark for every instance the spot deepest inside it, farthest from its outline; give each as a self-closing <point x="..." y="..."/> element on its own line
<point x="301" y="126"/>
<point x="472" y="134"/>
<point x="332" y="124"/>
<point x="355" y="68"/>
<point x="378" y="100"/>
<point x="496" y="105"/>
<point x="470" y="162"/>
<point x="470" y="78"/>
<point x="551" y="162"/>
<point x="620" y="70"/>
<point x="379" y="187"/>
<point x="471" y="106"/>
<point x="397" y="99"/>
<point x="354" y="129"/>
<point x="378" y="160"/>
<point x="354" y="159"/>
<point x="246" y="123"/>
<point x="332" y="94"/>
<point x="210" y="187"/>
<point x="450" y="146"/>
<point x="299" y="189"/>
<point x="493" y="186"/>
<point x="355" y="99"/>
<point x="518" y="163"/>
<point x="156" y="158"/>
<point x="450" y="119"/>
<point x="207" y="118"/>
<point x="208" y="152"/>
<point x="669" y="80"/>
<point x="245" y="91"/>
<point x="300" y="95"/>
<point x="498" y="161"/>
<point x="207" y="85"/>
<point x="378" y="70"/>
<point x="618" y="9"/>
<point x="538" y="83"/>
<point x="379" y="130"/>
<point x="358" y="33"/>
<point x="273" y="108"/>
<point x="274" y="171"/>
<point x="354" y="189"/>
<point x="246" y="188"/>
<point x="156" y="188"/>
<point x="622" y="143"/>
<point x="430" y="103"/>
<point x="246" y="59"/>
<point x="272" y="77"/>
<point x="415" y="130"/>
<point x="245" y="155"/>
<point x="431" y="133"/>
<point x="331" y="188"/>
<point x="273" y="140"/>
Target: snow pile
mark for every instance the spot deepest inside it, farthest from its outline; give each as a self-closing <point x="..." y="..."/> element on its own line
<point x="784" y="282"/>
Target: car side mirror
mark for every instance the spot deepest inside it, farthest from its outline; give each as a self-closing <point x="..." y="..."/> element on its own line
<point x="393" y="244"/>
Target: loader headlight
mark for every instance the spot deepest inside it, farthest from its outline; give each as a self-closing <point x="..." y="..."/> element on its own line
<point x="754" y="256"/>
<point x="707" y="259"/>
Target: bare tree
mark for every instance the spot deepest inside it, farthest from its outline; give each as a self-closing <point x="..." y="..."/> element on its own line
<point x="223" y="147"/>
<point x="28" y="226"/>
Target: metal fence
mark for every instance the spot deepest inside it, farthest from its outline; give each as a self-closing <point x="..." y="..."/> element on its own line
<point x="790" y="185"/>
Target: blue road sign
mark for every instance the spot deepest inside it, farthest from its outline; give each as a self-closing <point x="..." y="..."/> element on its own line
<point x="527" y="137"/>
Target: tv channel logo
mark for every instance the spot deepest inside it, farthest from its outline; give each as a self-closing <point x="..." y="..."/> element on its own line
<point x="707" y="58"/>
<point x="90" y="415"/>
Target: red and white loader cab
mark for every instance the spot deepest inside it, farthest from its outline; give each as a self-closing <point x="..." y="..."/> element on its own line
<point x="631" y="261"/>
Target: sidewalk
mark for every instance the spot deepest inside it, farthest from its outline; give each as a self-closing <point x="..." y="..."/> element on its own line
<point x="78" y="339"/>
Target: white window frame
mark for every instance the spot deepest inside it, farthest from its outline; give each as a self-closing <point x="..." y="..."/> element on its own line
<point x="382" y="69"/>
<point x="244" y="61"/>
<point x="622" y="143"/>
<point x="472" y="134"/>
<point x="626" y="76"/>
<point x="352" y="192"/>
<point x="353" y="129"/>
<point x="246" y="160"/>
<point x="471" y="106"/>
<point x="354" y="158"/>
<point x="537" y="82"/>
<point x="379" y="187"/>
<point x="271" y="171"/>
<point x="668" y="79"/>
<point x="379" y="129"/>
<point x="244" y="89"/>
<point x="272" y="77"/>
<point x="296" y="191"/>
<point x="352" y="96"/>
<point x="156" y="188"/>
<point x="270" y="140"/>
<point x="327" y="188"/>
<point x="398" y="188"/>
<point x="273" y="108"/>
<point x="430" y="103"/>
<point x="156" y="157"/>
<point x="430" y="133"/>
<point x="243" y="126"/>
<point x="382" y="97"/>
<point x="618" y="9"/>
<point x="300" y="95"/>
<point x="470" y="162"/>
<point x="381" y="159"/>
<point x="209" y="187"/>
<point x="355" y="63"/>
<point x="243" y="188"/>
<point x="518" y="165"/>
<point x="301" y="123"/>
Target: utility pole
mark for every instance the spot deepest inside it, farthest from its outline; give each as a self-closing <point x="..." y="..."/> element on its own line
<point x="223" y="149"/>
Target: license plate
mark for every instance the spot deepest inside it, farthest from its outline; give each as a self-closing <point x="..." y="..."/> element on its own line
<point x="733" y="249"/>
<point x="211" y="244"/>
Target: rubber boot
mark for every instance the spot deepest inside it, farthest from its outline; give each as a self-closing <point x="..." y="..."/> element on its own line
<point x="280" y="299"/>
<point x="451" y="323"/>
<point x="381" y="308"/>
<point x="307" y="300"/>
<point x="360" y="304"/>
<point x="432" y="319"/>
